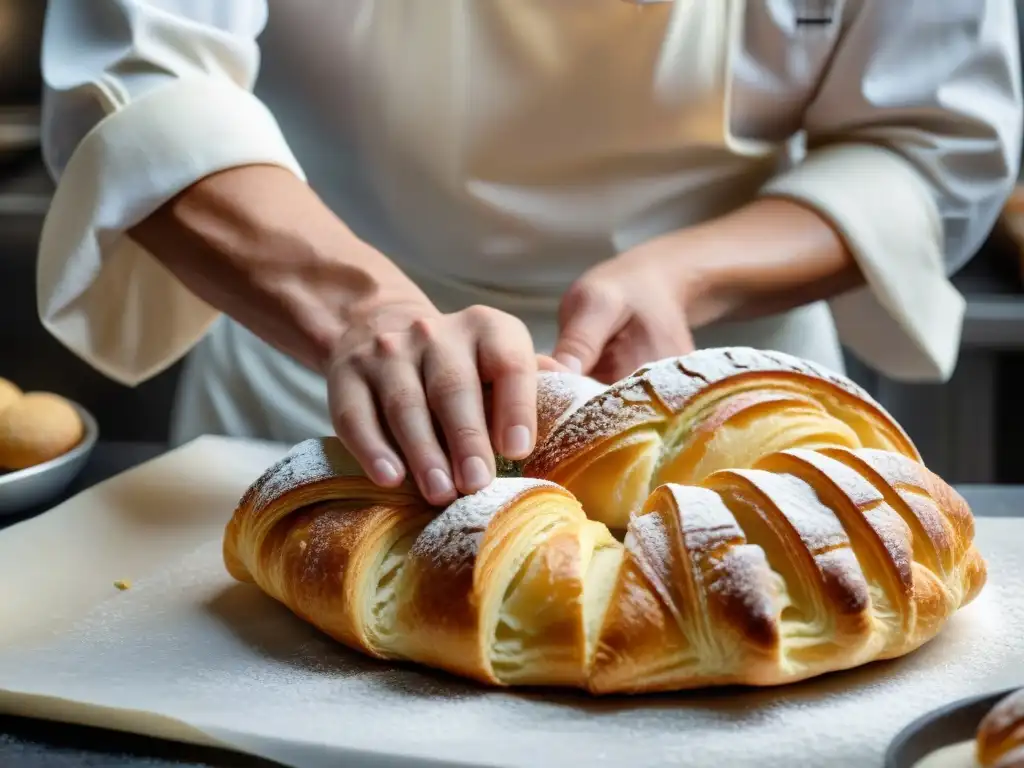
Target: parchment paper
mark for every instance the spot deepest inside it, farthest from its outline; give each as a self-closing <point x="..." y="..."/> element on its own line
<point x="186" y="653"/>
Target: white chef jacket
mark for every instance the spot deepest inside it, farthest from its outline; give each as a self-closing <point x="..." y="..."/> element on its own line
<point x="497" y="149"/>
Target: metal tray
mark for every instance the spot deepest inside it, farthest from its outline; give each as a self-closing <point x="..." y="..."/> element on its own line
<point x="24" y="489"/>
<point x="940" y="728"/>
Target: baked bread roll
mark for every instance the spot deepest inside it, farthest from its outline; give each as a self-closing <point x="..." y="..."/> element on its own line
<point x="9" y="393"/>
<point x="808" y="538"/>
<point x="1000" y="740"/>
<point x="36" y="428"/>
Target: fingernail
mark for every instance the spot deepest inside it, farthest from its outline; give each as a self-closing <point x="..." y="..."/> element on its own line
<point x="385" y="471"/>
<point x="517" y="442"/>
<point x="475" y="473"/>
<point x="572" y="363"/>
<point x="438" y="483"/>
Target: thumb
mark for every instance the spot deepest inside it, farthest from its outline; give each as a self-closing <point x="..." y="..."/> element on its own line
<point x="589" y="318"/>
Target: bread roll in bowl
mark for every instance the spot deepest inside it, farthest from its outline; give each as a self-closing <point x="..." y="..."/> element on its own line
<point x="37" y="428"/>
<point x="1000" y="739"/>
<point x="9" y="393"/>
<point x="771" y="523"/>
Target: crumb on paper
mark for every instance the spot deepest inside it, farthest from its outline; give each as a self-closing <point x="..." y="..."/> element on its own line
<point x="123" y="584"/>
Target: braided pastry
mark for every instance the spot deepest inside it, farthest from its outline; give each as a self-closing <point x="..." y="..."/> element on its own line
<point x="774" y="523"/>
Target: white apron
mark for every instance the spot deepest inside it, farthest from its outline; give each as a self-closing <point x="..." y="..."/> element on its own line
<point x="496" y="151"/>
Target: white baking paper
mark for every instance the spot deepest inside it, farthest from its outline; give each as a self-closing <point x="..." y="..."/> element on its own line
<point x="187" y="653"/>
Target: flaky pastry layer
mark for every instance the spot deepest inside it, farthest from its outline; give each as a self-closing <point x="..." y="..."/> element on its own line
<point x="774" y="524"/>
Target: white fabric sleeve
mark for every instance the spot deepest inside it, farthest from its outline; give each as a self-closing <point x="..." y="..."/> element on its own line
<point x="142" y="99"/>
<point x="913" y="146"/>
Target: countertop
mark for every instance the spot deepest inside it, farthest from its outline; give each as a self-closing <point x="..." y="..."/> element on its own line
<point x="37" y="744"/>
<point x="26" y="743"/>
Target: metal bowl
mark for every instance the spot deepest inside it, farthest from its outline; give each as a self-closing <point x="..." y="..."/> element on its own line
<point x="940" y="728"/>
<point x="24" y="489"/>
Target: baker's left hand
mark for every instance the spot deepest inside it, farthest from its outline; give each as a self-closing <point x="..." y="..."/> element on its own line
<point x="625" y="312"/>
<point x="767" y="257"/>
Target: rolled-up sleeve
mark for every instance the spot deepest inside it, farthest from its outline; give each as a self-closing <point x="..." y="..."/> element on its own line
<point x="142" y="99"/>
<point x="913" y="146"/>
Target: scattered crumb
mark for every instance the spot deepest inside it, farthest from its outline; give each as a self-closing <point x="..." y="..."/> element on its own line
<point x="123" y="584"/>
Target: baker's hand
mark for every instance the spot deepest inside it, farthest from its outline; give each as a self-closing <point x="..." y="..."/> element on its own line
<point x="257" y="243"/>
<point x="407" y="371"/>
<point x="623" y="313"/>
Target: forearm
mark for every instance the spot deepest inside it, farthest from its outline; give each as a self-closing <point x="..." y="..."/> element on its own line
<point x="258" y="244"/>
<point x="769" y="256"/>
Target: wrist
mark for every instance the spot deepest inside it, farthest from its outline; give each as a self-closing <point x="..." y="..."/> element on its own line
<point x="769" y="256"/>
<point x="257" y="244"/>
<point x="334" y="284"/>
<point x="700" y="279"/>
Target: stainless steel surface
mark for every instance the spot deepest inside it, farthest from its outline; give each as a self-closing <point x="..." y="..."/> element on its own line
<point x="27" y="488"/>
<point x="21" y="40"/>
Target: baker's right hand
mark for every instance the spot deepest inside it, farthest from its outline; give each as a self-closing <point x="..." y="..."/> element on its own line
<point x="403" y="378"/>
<point x="406" y="396"/>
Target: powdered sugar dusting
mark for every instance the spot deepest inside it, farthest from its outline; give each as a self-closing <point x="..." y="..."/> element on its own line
<point x="707" y="521"/>
<point x="650" y="545"/>
<point x="310" y="462"/>
<point x="453" y="537"/>
<point x="726" y="568"/>
<point x="559" y="395"/>
<point x="611" y="413"/>
<point x="674" y="382"/>
<point x="192" y="645"/>
<point x="671" y="385"/>
<point x="816" y="524"/>
<point x="892" y="532"/>
<point x="902" y="474"/>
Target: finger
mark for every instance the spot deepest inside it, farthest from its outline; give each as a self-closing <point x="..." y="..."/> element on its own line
<point x="640" y="343"/>
<point x="589" y="317"/>
<point x="620" y="358"/>
<point x="507" y="360"/>
<point x="453" y="389"/>
<point x="354" y="416"/>
<point x="396" y="377"/>
<point x="545" y="363"/>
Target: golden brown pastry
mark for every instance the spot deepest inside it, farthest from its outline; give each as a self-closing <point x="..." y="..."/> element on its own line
<point x="9" y="393"/>
<point x="679" y="420"/>
<point x="807" y="539"/>
<point x="1000" y="739"/>
<point x="36" y="428"/>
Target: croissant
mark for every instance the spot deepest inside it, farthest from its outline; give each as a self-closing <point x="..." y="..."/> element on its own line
<point x="772" y="524"/>
<point x="1000" y="737"/>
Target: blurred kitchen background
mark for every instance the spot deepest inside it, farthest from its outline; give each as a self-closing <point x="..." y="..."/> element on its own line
<point x="969" y="430"/>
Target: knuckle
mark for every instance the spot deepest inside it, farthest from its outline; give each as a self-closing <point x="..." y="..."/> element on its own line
<point x="467" y="434"/>
<point x="387" y="345"/>
<point x="447" y="383"/>
<point x="360" y="362"/>
<point x="422" y="328"/>
<point x="349" y="422"/>
<point x="399" y="402"/>
<point x="478" y="314"/>
<point x="517" y="330"/>
<point x="506" y="361"/>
